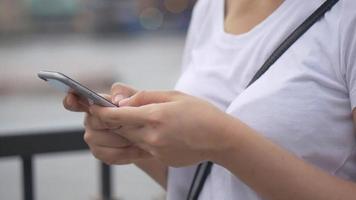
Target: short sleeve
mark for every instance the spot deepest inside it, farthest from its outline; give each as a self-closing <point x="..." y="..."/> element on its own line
<point x="348" y="47"/>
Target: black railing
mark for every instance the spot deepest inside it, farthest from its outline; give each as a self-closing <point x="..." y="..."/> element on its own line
<point x="27" y="145"/>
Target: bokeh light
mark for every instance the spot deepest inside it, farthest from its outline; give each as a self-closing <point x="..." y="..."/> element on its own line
<point x="96" y="42"/>
<point x="151" y="18"/>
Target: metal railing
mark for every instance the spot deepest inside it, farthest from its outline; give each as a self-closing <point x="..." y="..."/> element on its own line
<point x="27" y="145"/>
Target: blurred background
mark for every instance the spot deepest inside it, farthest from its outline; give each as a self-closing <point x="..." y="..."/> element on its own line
<point x="97" y="42"/>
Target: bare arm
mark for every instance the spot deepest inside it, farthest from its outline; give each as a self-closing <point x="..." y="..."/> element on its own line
<point x="277" y="174"/>
<point x="155" y="169"/>
<point x="178" y="137"/>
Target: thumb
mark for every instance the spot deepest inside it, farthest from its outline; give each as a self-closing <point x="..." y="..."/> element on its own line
<point x="144" y="98"/>
<point x="120" y="91"/>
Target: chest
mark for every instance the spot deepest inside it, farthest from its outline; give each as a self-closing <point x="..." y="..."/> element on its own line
<point x="220" y="74"/>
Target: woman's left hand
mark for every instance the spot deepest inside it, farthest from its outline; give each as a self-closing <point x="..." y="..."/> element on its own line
<point x="176" y="128"/>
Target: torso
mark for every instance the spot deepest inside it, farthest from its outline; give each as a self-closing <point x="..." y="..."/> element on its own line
<point x="303" y="103"/>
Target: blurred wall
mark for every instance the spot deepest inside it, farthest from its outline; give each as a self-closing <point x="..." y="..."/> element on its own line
<point x="102" y="16"/>
<point x="97" y="42"/>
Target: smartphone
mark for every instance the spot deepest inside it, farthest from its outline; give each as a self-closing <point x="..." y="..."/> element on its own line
<point x="66" y="84"/>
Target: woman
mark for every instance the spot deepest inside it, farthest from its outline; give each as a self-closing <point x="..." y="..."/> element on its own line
<point x="290" y="135"/>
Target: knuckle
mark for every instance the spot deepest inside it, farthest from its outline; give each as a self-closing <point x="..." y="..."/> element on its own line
<point x="155" y="117"/>
<point x="104" y="125"/>
<point x="92" y="123"/>
<point x="103" y="118"/>
<point x="140" y="97"/>
<point x="154" y="140"/>
<point x="88" y="137"/>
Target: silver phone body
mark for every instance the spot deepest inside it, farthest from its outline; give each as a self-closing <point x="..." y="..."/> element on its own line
<point x="66" y="84"/>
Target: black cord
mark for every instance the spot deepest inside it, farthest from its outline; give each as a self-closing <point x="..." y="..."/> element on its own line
<point x="292" y="38"/>
<point x="201" y="174"/>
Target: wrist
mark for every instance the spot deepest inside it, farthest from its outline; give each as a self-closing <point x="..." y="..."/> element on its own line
<point x="231" y="134"/>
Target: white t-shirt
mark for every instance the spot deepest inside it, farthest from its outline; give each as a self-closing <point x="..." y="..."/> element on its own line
<point x="303" y="103"/>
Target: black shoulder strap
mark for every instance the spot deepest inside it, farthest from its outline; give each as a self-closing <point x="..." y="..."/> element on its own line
<point x="203" y="170"/>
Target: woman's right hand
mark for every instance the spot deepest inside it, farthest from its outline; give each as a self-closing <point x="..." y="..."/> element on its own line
<point x="106" y="145"/>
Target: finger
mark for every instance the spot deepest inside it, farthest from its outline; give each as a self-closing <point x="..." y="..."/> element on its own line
<point x="138" y="135"/>
<point x="121" y="156"/>
<point x="149" y="97"/>
<point x="105" y="139"/>
<point x="72" y="102"/>
<point x="116" y="117"/>
<point x="121" y="91"/>
<point x="94" y="123"/>
<point x="106" y="96"/>
<point x="143" y="137"/>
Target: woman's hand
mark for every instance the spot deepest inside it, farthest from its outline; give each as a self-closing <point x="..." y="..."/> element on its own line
<point x="119" y="91"/>
<point x="105" y="145"/>
<point x="177" y="129"/>
<point x="108" y="146"/>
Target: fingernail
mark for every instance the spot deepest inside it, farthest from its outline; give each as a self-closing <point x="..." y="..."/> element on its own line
<point x="118" y="98"/>
<point x="90" y="109"/>
<point x="124" y="102"/>
<point x="69" y="104"/>
<point x="91" y="102"/>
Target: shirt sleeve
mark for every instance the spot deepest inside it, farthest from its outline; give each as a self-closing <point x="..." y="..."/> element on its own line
<point x="348" y="48"/>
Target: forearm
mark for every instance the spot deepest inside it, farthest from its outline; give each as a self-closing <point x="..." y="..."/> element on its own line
<point x="155" y="169"/>
<point x="275" y="173"/>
